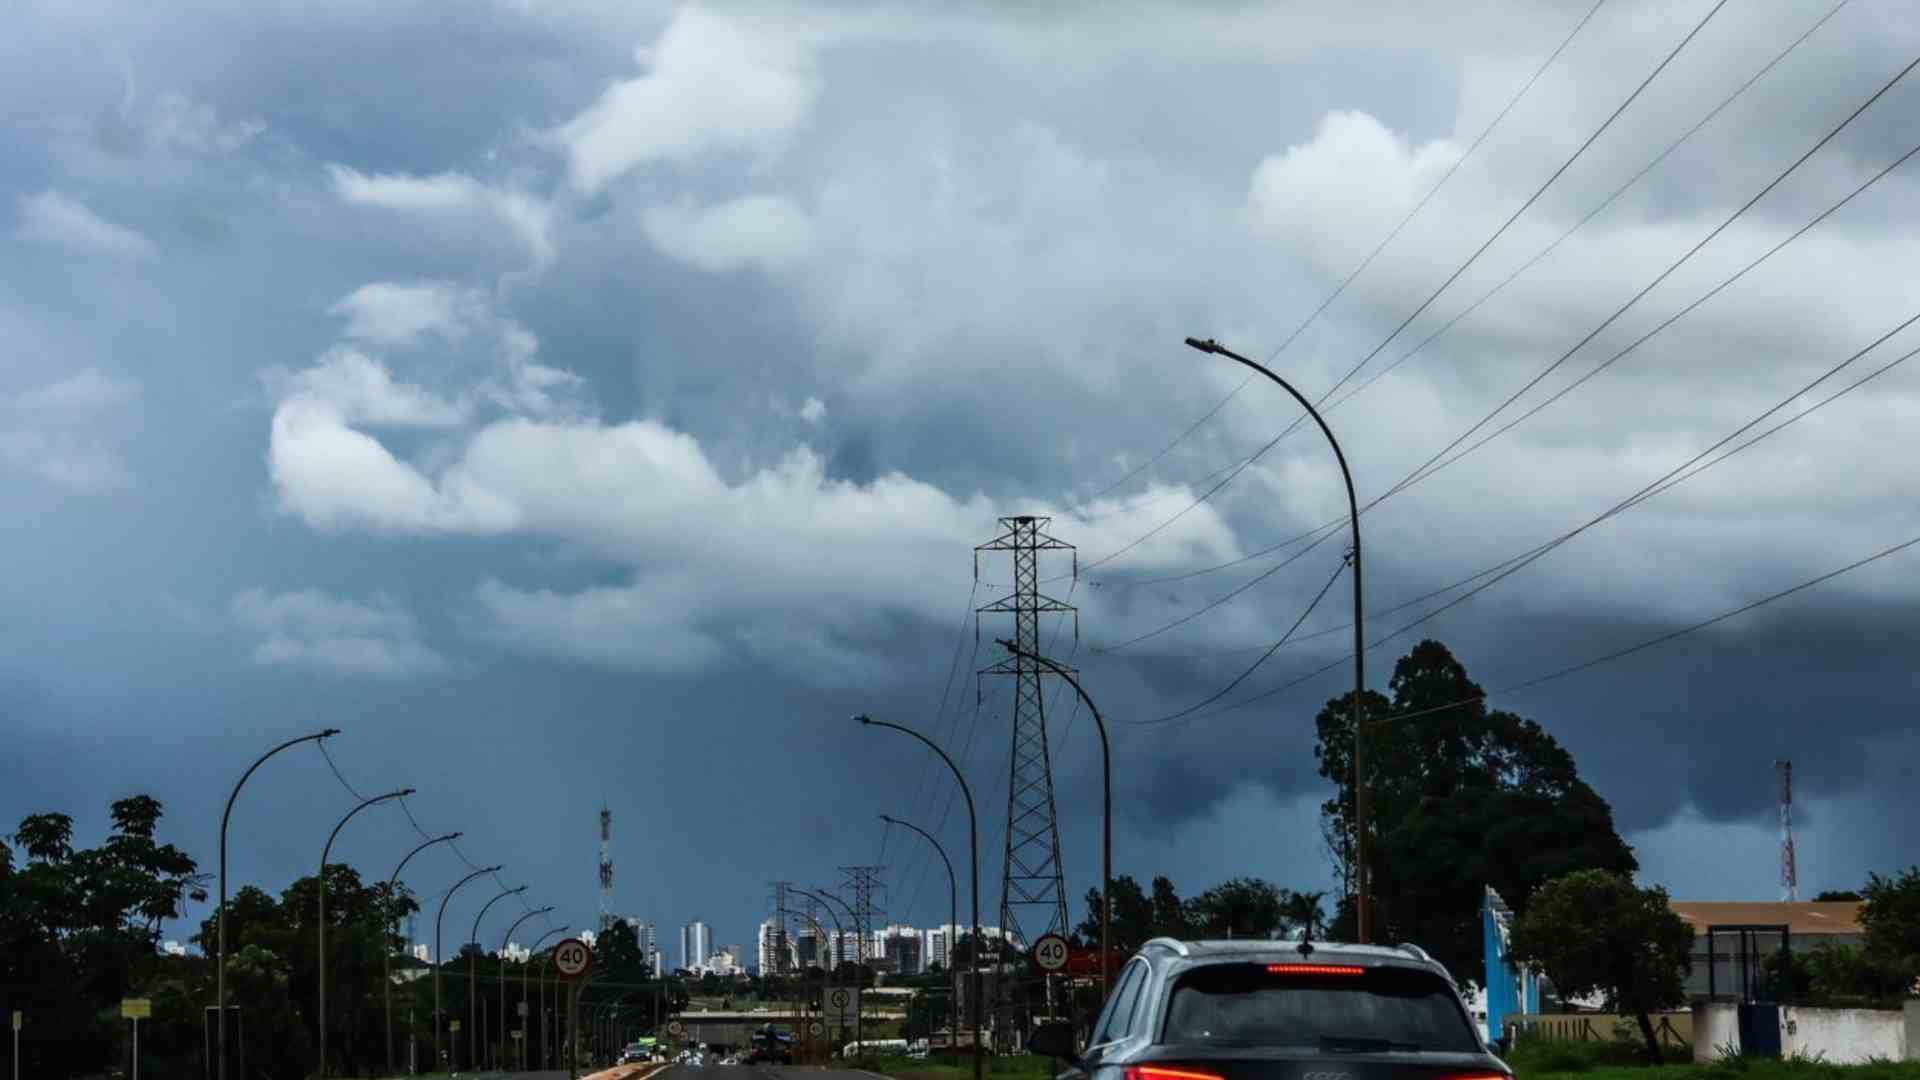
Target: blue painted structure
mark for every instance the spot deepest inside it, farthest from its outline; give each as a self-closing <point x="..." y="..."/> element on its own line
<point x="1511" y="990"/>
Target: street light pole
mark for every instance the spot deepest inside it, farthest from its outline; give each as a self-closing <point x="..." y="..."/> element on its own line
<point x="535" y="956"/>
<point x="1106" y="808"/>
<point x="826" y="969"/>
<point x="953" y="919"/>
<point x="1362" y="921"/>
<point x="221" y="977"/>
<point x="386" y="949"/>
<point x="439" y="960"/>
<point x="859" y="966"/>
<point x="502" y="954"/>
<point x="325" y="853"/>
<point x="973" y="844"/>
<point x="473" y="985"/>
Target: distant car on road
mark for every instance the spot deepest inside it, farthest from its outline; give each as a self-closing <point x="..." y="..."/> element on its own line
<point x="1251" y="1010"/>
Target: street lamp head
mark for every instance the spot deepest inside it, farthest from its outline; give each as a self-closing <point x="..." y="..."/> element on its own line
<point x="330" y="732"/>
<point x="403" y="793"/>
<point x="1207" y="346"/>
<point x="889" y="820"/>
<point x="864" y="718"/>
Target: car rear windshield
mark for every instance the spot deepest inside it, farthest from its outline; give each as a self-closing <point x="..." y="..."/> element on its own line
<point x="1385" y="1008"/>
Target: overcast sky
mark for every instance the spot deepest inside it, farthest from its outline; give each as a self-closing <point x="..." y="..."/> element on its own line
<point x="601" y="401"/>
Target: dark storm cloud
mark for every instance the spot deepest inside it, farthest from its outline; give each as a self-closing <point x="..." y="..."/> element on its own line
<point x="977" y="251"/>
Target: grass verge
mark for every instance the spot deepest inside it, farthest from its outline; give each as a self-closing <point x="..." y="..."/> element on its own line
<point x="959" y="1067"/>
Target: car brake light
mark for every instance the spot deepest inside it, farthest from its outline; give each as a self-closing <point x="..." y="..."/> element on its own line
<point x="1155" y="1072"/>
<point x="1476" y="1076"/>
<point x="1317" y="969"/>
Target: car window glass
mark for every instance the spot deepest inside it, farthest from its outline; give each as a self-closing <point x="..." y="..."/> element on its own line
<point x="1113" y="1021"/>
<point x="1384" y="1008"/>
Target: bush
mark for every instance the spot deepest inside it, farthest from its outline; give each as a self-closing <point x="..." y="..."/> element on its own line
<point x="1848" y="976"/>
<point x="1535" y="1055"/>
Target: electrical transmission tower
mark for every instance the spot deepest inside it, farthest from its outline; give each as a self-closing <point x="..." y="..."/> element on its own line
<point x="1789" y="875"/>
<point x="863" y="882"/>
<point x="1032" y="880"/>
<point x="606" y="868"/>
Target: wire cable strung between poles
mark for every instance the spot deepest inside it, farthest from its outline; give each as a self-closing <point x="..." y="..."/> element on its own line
<point x="1490" y="294"/>
<point x="1540" y="551"/>
<point x="1362" y="267"/>
<point x="1444" y="285"/>
<point x="1677" y="264"/>
<point x="960" y="640"/>
<point x="1675" y="476"/>
<point x="1428" y="469"/>
<point x="1596" y="211"/>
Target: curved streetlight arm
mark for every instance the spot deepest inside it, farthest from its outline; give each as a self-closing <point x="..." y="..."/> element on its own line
<point x="386" y="950"/>
<point x="953" y="921"/>
<point x="1106" y="807"/>
<point x="221" y="977"/>
<point x="320" y="886"/>
<point x="1362" y="922"/>
<point x="973" y="845"/>
<point x="508" y="936"/>
<point x="439" y="958"/>
<point x="474" y="937"/>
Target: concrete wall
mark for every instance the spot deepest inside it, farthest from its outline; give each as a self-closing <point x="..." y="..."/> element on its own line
<point x="1716" y="1026"/>
<point x="1836" y="1036"/>
<point x="1843" y="1036"/>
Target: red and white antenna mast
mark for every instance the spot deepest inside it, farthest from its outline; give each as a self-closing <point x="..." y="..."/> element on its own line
<point x="1789" y="878"/>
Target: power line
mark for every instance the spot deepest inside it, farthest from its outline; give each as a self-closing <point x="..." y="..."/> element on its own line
<point x="1371" y="256"/>
<point x="1597" y="210"/>
<point x="1694" y="466"/>
<point x="1429" y="468"/>
<point x="1469" y="309"/>
<point x="1444" y="285"/>
<point x="1255" y="666"/>
<point x="960" y="640"/>
<point x="1677" y="264"/>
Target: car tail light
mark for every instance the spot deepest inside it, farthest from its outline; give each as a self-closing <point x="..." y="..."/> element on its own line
<point x="1156" y="1072"/>
<point x="1475" y="1076"/>
<point x="1316" y="969"/>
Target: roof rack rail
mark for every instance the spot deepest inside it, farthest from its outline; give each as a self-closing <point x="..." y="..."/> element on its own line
<point x="1414" y="951"/>
<point x="1169" y="943"/>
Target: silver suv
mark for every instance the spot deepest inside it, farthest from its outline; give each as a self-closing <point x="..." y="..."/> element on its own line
<point x="1278" y="1010"/>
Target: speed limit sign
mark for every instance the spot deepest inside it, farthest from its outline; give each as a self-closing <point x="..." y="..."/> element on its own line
<point x="1050" y="952"/>
<point x="572" y="958"/>
<point x="815" y="1029"/>
<point x="675" y="1028"/>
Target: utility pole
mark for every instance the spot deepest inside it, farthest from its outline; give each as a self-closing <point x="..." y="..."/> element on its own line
<point x="1789" y="874"/>
<point x="606" y="868"/>
<point x="1032" y="877"/>
<point x="864" y="881"/>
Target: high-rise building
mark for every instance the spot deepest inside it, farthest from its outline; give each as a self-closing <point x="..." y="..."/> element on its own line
<point x="766" y="951"/>
<point x="696" y="943"/>
<point x="933" y="948"/>
<point x="423" y="953"/>
<point x="903" y="950"/>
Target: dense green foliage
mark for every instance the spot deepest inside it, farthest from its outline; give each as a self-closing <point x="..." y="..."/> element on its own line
<point x="1593" y="931"/>
<point x="1461" y="797"/>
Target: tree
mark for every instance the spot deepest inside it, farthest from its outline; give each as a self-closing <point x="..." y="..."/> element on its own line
<point x="1461" y="797"/>
<point x="1242" y="907"/>
<point x="618" y="950"/>
<point x="1303" y="914"/>
<point x="80" y="927"/>
<point x="1132" y="916"/>
<point x="1890" y="914"/>
<point x="1592" y="930"/>
<point x="1169" y="913"/>
<point x="1838" y="895"/>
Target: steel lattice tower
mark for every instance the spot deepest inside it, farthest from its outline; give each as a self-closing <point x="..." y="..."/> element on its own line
<point x="1032" y="879"/>
<point x="779" y="934"/>
<point x="606" y="868"/>
<point x="1789" y="873"/>
<point x="862" y="882"/>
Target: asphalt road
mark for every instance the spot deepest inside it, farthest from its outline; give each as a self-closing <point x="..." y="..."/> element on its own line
<point x="755" y="1072"/>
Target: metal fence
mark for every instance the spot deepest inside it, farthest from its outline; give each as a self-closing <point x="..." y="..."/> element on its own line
<point x="1672" y="1029"/>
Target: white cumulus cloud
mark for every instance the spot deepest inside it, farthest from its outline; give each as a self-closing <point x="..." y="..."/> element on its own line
<point x="764" y="231"/>
<point x="317" y="631"/>
<point x="54" y="218"/>
<point x="59" y="432"/>
<point x="450" y="195"/>
<point x="714" y="83"/>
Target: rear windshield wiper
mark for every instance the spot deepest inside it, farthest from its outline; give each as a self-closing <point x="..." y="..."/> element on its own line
<point x="1356" y="1044"/>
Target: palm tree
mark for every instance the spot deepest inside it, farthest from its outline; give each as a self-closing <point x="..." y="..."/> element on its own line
<point x="1302" y="912"/>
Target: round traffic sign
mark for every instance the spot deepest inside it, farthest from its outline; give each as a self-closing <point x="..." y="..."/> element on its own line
<point x="815" y="1029"/>
<point x="840" y="1000"/>
<point x="674" y="1027"/>
<point x="1050" y="952"/>
<point x="572" y="958"/>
